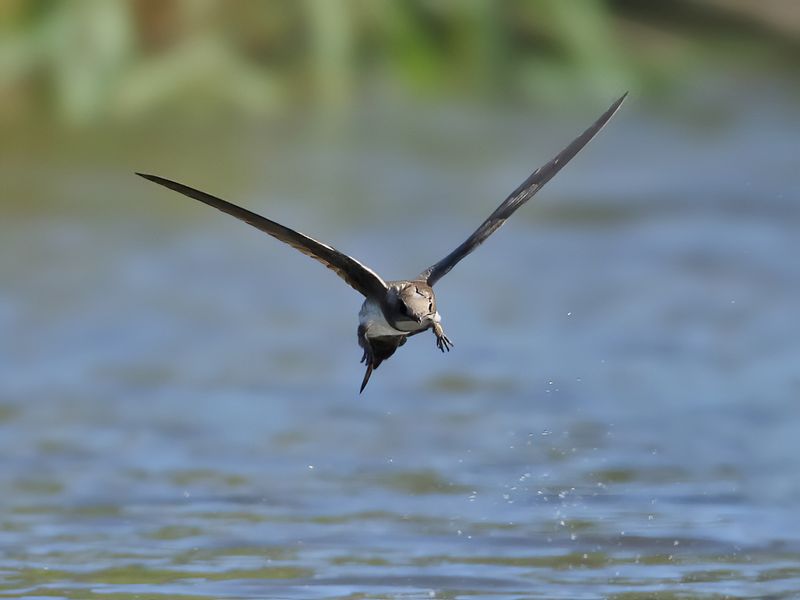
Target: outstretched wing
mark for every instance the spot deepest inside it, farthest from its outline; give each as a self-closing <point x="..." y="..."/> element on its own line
<point x="359" y="277"/>
<point x="518" y="197"/>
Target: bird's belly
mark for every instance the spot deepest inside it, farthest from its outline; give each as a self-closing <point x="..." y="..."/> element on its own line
<point x="372" y="319"/>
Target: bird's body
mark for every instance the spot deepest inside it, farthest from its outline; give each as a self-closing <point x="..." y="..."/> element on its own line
<point x="387" y="318"/>
<point x="383" y="326"/>
<point x="395" y="310"/>
<point x="373" y="322"/>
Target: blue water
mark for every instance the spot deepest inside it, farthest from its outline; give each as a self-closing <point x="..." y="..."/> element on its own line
<point x="179" y="414"/>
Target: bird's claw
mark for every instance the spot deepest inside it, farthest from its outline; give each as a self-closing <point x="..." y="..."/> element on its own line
<point x="442" y="341"/>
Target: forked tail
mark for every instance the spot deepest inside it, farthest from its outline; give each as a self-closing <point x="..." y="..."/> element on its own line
<point x="376" y="350"/>
<point x="367" y="375"/>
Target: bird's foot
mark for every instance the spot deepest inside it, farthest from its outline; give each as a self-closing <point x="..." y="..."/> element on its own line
<point x="442" y="341"/>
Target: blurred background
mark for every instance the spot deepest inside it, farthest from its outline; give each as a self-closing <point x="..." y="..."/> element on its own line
<point x="179" y="413"/>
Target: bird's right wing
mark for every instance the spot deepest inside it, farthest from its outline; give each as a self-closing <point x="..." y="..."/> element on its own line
<point x="359" y="277"/>
<point x="518" y="197"/>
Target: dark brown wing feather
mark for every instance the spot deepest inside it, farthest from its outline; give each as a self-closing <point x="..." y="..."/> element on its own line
<point x="359" y="277"/>
<point x="518" y="197"/>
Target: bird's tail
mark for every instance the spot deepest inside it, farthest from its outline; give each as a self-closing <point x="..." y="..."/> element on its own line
<point x="376" y="350"/>
<point x="366" y="376"/>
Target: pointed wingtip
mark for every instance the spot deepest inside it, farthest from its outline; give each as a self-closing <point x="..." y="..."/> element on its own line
<point x="147" y="176"/>
<point x="617" y="103"/>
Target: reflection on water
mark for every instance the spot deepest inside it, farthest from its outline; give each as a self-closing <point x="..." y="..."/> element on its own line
<point x="179" y="412"/>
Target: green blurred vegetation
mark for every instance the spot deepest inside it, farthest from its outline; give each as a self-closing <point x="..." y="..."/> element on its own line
<point x="90" y="61"/>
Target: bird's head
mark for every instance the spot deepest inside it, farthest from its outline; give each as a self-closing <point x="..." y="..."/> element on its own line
<point x="413" y="301"/>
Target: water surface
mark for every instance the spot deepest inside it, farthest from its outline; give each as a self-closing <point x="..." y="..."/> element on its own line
<point x="179" y="415"/>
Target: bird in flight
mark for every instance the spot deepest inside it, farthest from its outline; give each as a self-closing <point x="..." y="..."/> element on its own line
<point x="393" y="311"/>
